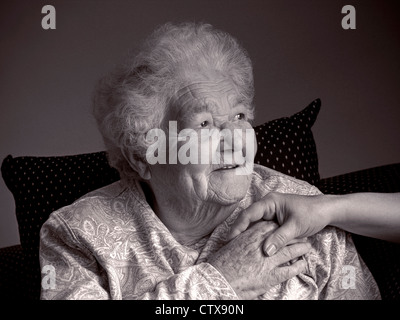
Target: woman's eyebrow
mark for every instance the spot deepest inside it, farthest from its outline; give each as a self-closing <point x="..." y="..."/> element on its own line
<point x="206" y="105"/>
<point x="186" y="114"/>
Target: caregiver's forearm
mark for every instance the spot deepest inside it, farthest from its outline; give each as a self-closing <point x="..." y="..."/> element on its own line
<point x="370" y="214"/>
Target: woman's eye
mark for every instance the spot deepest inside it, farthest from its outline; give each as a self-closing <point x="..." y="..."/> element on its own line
<point x="240" y="116"/>
<point x="204" y="124"/>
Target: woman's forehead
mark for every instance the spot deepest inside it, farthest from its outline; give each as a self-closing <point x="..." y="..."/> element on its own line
<point x="208" y="93"/>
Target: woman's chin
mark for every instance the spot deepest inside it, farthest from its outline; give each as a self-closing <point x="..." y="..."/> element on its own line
<point x="228" y="191"/>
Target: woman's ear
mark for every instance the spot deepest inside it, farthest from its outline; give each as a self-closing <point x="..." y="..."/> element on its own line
<point x="144" y="170"/>
<point x="138" y="165"/>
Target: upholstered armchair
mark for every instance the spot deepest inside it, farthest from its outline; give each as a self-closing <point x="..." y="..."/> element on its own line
<point x="41" y="185"/>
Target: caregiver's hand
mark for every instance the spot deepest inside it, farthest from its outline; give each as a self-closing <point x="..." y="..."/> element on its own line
<point x="375" y="215"/>
<point x="248" y="270"/>
<point x="299" y="217"/>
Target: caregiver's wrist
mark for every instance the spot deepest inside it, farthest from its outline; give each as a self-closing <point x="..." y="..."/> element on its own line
<point x="335" y="209"/>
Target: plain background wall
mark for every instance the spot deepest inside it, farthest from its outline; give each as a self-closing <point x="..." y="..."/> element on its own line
<point x="299" y="50"/>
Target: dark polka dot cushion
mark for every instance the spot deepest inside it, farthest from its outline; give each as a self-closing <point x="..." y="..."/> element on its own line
<point x="13" y="271"/>
<point x="287" y="144"/>
<point x="379" y="179"/>
<point x="41" y="185"/>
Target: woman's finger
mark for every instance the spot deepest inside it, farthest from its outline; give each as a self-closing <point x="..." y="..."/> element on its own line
<point x="291" y="252"/>
<point x="298" y="240"/>
<point x="285" y="273"/>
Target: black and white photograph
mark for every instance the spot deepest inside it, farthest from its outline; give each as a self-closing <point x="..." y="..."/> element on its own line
<point x="200" y="150"/>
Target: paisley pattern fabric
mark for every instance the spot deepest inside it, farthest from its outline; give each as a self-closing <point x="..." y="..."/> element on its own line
<point x="111" y="245"/>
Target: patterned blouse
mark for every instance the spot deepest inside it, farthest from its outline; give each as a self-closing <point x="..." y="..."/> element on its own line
<point x="111" y="245"/>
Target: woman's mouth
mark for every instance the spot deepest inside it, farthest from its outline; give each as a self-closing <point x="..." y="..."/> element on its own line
<point x="228" y="167"/>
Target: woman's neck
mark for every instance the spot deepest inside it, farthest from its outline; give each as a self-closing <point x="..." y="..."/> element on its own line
<point x="187" y="220"/>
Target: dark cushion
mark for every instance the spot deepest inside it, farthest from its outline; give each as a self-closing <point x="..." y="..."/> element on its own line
<point x="41" y="185"/>
<point x="13" y="271"/>
<point x="287" y="144"/>
<point x="378" y="179"/>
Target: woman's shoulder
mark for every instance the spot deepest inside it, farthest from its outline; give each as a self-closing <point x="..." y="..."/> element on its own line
<point x="101" y="214"/>
<point x="269" y="180"/>
<point x="97" y="206"/>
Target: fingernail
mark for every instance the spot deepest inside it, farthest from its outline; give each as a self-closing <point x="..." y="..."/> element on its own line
<point x="271" y="250"/>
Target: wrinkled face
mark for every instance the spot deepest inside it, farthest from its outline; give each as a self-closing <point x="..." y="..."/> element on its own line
<point x="211" y="109"/>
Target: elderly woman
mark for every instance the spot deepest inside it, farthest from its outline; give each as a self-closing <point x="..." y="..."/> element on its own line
<point x="161" y="231"/>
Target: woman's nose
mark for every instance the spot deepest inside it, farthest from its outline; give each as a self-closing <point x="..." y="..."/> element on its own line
<point x="231" y="137"/>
